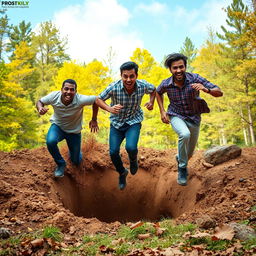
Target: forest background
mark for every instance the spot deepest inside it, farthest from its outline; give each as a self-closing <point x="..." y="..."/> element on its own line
<point x="38" y="64"/>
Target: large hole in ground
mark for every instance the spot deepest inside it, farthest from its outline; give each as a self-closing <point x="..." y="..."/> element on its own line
<point x="151" y="194"/>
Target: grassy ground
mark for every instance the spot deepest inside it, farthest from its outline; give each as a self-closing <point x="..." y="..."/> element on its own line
<point x="142" y="238"/>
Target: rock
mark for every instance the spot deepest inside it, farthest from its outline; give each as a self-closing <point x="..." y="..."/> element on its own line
<point x="207" y="165"/>
<point x="206" y="222"/>
<point x="242" y="231"/>
<point x="220" y="154"/>
<point x="5" y="233"/>
<point x="37" y="242"/>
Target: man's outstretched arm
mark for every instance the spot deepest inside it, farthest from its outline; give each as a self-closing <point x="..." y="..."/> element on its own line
<point x="41" y="108"/>
<point x="164" y="116"/>
<point x="114" y="109"/>
<point x="150" y="105"/>
<point x="93" y="124"/>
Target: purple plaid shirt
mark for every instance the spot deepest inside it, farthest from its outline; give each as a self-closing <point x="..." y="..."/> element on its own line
<point x="181" y="99"/>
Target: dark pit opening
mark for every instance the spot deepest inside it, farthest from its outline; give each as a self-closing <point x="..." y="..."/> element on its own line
<point x="149" y="195"/>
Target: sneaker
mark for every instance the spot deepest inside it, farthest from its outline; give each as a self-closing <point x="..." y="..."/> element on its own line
<point x="134" y="166"/>
<point x="122" y="179"/>
<point x="59" y="171"/>
<point x="182" y="176"/>
<point x="177" y="159"/>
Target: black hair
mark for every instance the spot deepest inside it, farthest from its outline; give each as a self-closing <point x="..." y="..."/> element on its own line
<point x="70" y="81"/>
<point x="128" y="66"/>
<point x="174" y="57"/>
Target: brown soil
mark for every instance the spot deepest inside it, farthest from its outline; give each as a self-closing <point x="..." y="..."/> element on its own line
<point x="88" y="200"/>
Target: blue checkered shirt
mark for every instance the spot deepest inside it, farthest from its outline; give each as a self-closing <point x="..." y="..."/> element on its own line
<point x="131" y="113"/>
<point x="181" y="99"/>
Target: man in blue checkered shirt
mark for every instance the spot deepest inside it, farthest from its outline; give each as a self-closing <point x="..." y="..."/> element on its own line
<point x="126" y="116"/>
<point x="185" y="107"/>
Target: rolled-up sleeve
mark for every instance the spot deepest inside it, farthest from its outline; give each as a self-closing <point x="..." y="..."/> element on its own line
<point x="107" y="93"/>
<point x="205" y="82"/>
<point x="161" y="89"/>
<point x="48" y="99"/>
<point x="86" y="100"/>
<point x="149" y="88"/>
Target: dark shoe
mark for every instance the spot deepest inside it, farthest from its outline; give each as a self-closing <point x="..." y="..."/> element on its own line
<point x="122" y="180"/>
<point x="134" y="166"/>
<point x="59" y="171"/>
<point x="182" y="176"/>
<point x="177" y="159"/>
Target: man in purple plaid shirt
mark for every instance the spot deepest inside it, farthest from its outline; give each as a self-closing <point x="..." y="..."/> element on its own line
<point x="126" y="116"/>
<point x="182" y="89"/>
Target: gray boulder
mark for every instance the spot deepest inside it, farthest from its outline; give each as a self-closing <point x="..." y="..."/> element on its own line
<point x="5" y="233"/>
<point x="242" y="232"/>
<point x="221" y="154"/>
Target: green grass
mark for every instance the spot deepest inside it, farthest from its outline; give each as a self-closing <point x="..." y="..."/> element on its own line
<point x="125" y="240"/>
<point x="211" y="245"/>
<point x="253" y="209"/>
<point x="250" y="244"/>
<point x="53" y="233"/>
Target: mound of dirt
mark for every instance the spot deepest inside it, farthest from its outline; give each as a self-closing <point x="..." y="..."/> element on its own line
<point x="87" y="199"/>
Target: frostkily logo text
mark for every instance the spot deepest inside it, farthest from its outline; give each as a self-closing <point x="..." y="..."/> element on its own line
<point x="15" y="4"/>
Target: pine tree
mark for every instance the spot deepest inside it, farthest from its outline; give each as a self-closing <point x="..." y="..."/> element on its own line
<point x="189" y="51"/>
<point x="241" y="60"/>
<point x="18" y="34"/>
<point x="18" y="118"/>
<point x="50" y="49"/>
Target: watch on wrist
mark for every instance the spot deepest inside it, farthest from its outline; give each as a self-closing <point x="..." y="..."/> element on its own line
<point x="209" y="90"/>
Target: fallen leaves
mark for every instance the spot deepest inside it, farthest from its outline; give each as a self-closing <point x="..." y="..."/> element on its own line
<point x="144" y="236"/>
<point x="224" y="232"/>
<point x="136" y="225"/>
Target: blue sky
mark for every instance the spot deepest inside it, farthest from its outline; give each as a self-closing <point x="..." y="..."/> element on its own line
<point x="93" y="26"/>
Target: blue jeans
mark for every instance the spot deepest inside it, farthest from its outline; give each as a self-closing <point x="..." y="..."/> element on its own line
<point x="188" y="133"/>
<point x="54" y="136"/>
<point x="116" y="137"/>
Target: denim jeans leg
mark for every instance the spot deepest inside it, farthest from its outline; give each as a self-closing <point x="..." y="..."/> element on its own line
<point x="180" y="127"/>
<point x="132" y="135"/>
<point x="115" y="139"/>
<point x="54" y="136"/>
<point x="74" y="146"/>
<point x="194" y="131"/>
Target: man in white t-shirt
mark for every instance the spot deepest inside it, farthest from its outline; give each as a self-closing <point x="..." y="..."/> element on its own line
<point x="67" y="122"/>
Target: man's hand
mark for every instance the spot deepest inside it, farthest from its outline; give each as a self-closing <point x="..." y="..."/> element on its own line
<point x="165" y="118"/>
<point x="42" y="110"/>
<point x="115" y="109"/>
<point x="199" y="87"/>
<point x="93" y="125"/>
<point x="149" y="105"/>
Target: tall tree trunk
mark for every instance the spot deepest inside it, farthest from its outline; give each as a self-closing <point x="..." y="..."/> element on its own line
<point x="245" y="131"/>
<point x="245" y="137"/>
<point x="251" y="124"/>
<point x="223" y="137"/>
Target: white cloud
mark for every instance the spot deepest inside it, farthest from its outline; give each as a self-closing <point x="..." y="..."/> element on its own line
<point x="210" y="14"/>
<point x="95" y="26"/>
<point x="155" y="8"/>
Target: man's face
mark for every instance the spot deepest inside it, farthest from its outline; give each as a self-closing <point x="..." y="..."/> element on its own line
<point x="68" y="92"/>
<point x="129" y="78"/>
<point x="178" y="70"/>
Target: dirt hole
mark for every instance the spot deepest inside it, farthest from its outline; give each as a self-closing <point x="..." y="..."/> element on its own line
<point x="152" y="194"/>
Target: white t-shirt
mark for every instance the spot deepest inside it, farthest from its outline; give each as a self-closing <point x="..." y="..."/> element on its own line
<point x="69" y="118"/>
